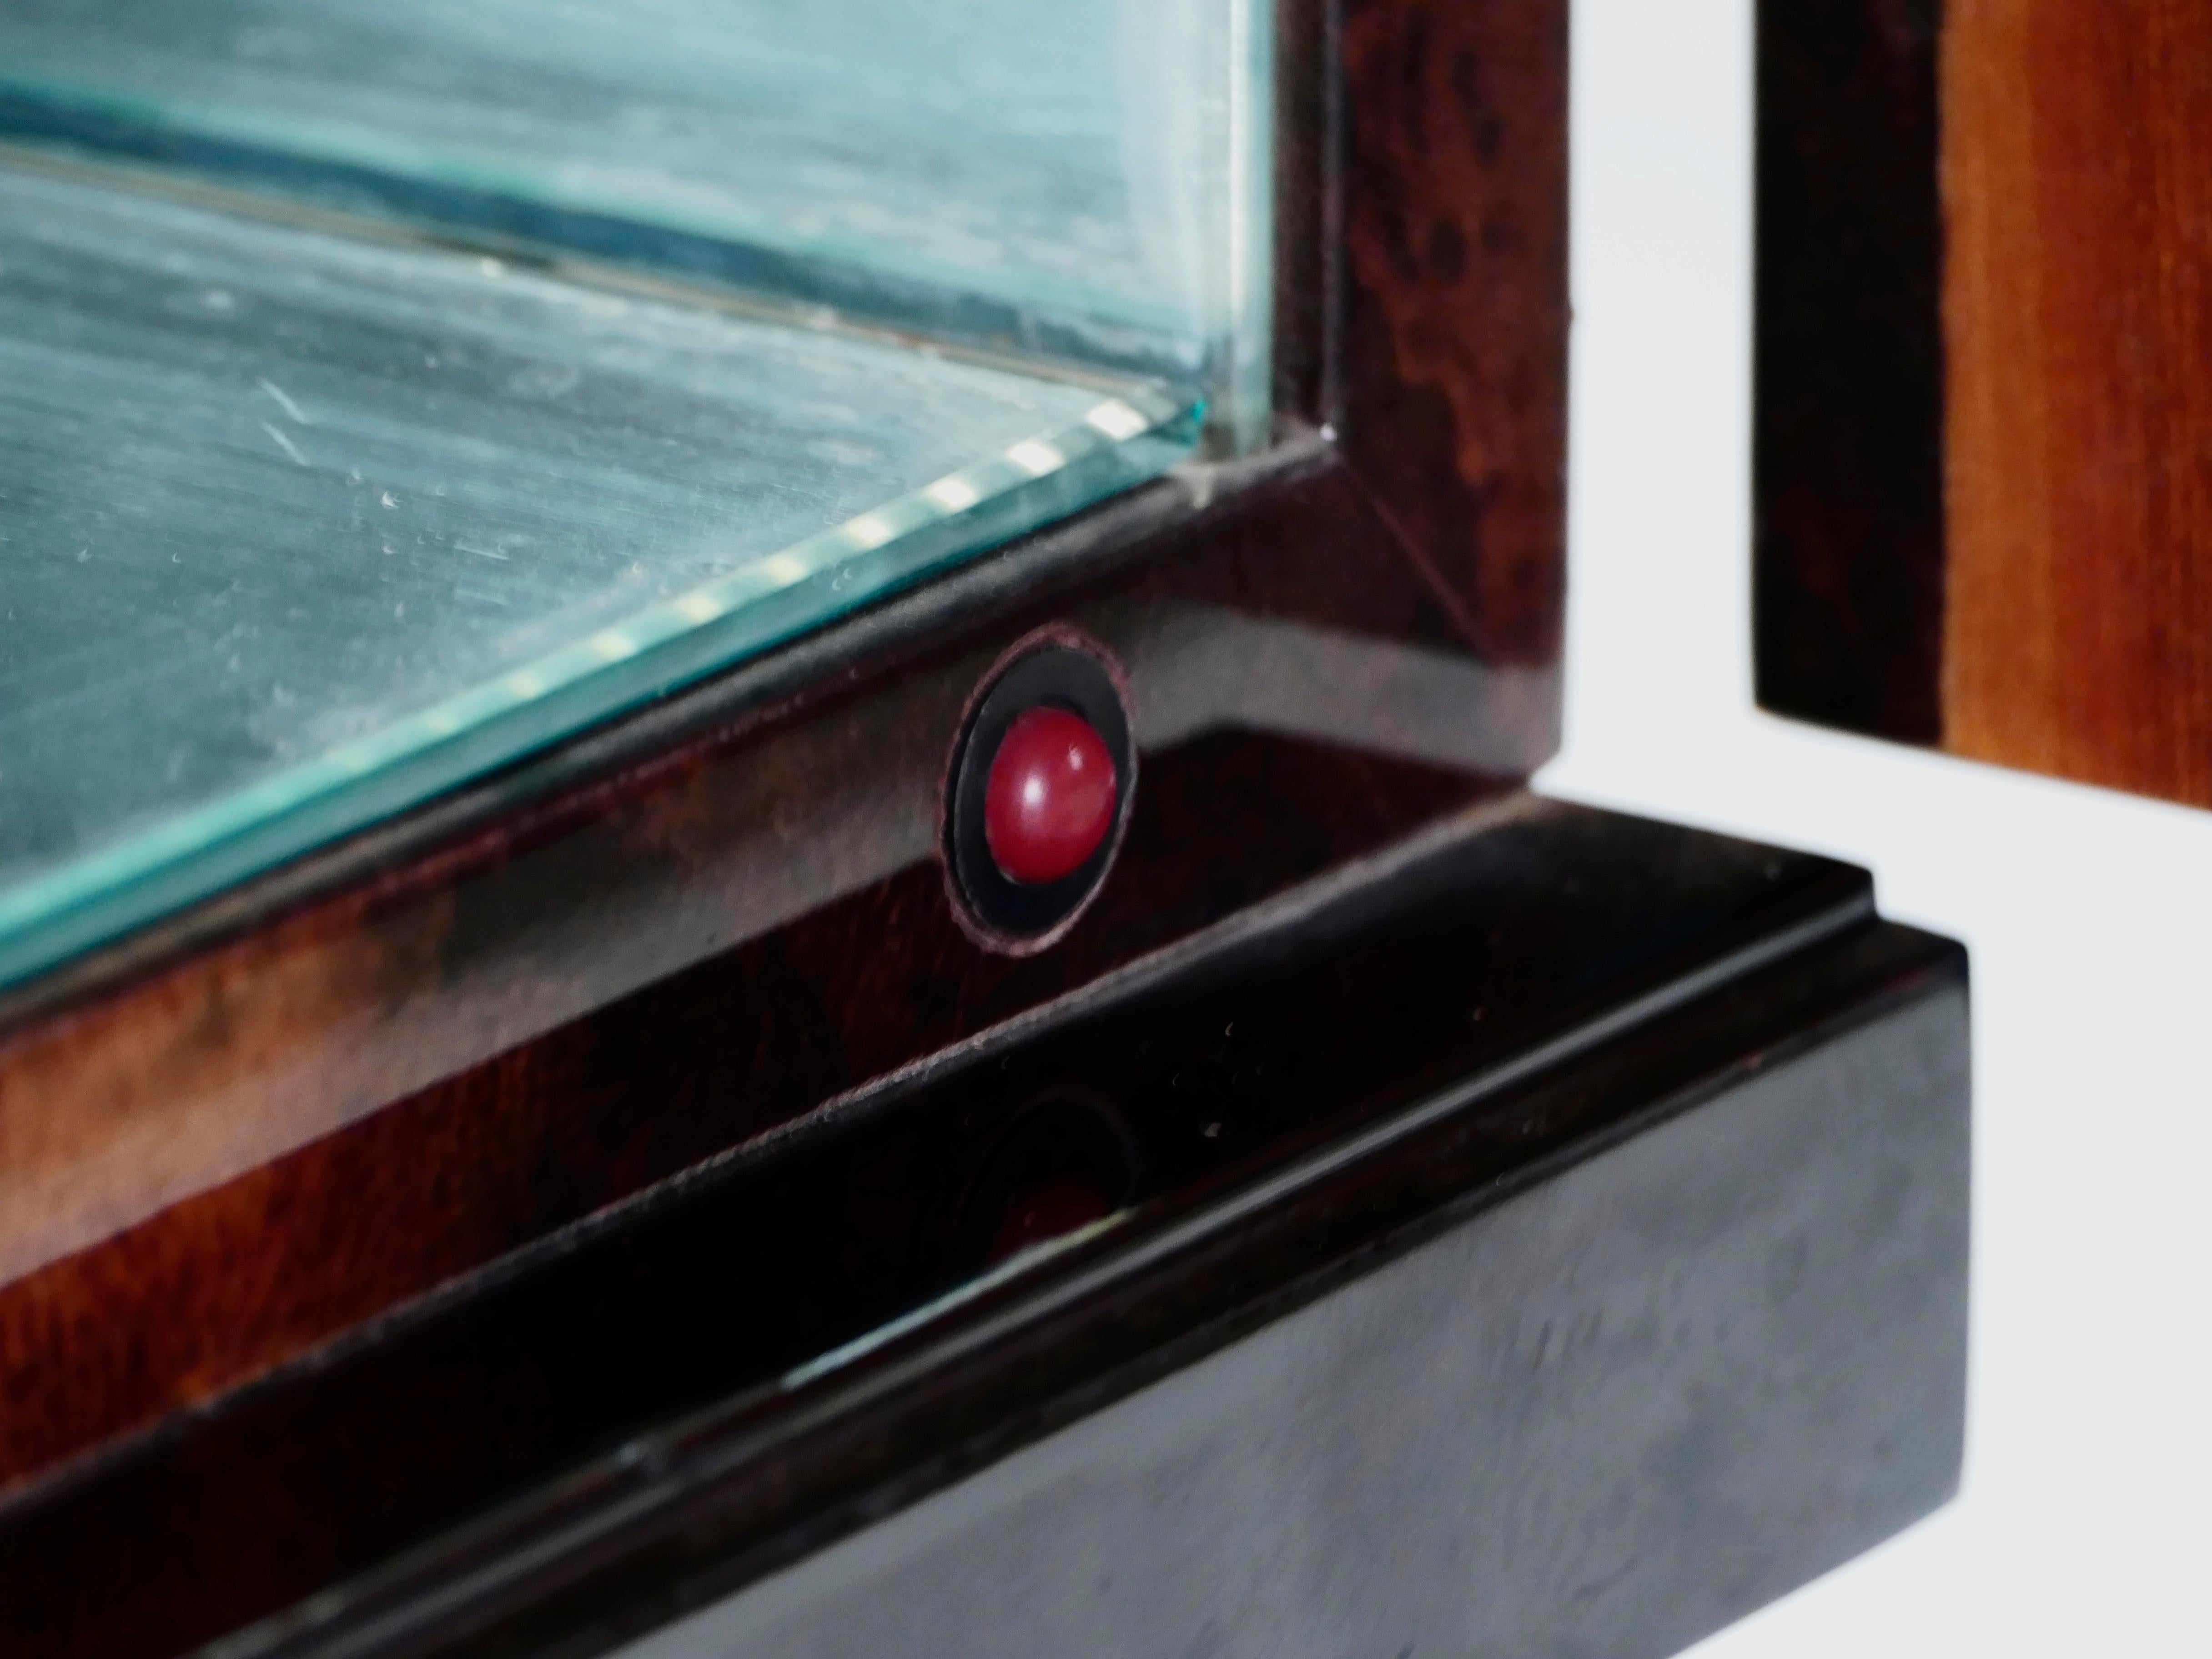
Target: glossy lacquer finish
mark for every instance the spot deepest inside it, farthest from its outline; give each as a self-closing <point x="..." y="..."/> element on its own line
<point x="1289" y="1103"/>
<point x="625" y="1200"/>
<point x="228" y="1138"/>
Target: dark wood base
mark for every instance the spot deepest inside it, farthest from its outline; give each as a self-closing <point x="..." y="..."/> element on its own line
<point x="1547" y="1234"/>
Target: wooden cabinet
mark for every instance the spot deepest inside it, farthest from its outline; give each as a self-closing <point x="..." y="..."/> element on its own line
<point x="638" y="1188"/>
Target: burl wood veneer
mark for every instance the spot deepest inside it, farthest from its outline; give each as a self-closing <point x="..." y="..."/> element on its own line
<point x="1985" y="381"/>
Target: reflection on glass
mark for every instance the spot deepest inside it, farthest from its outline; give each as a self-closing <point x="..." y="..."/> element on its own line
<point x="1075" y="179"/>
<point x="298" y="529"/>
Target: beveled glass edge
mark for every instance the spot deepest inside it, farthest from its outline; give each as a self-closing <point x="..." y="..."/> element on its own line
<point x="1246" y="381"/>
<point x="1121" y="441"/>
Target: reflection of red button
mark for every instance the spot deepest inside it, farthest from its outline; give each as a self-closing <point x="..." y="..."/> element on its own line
<point x="1049" y="801"/>
<point x="1045" y="1210"/>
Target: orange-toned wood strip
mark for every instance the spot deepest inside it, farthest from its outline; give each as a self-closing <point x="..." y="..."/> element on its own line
<point x="2078" y="317"/>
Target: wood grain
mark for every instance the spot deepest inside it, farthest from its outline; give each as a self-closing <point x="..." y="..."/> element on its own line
<point x="1451" y="392"/>
<point x="222" y="1285"/>
<point x="1984" y="462"/>
<point x="2078" y="312"/>
<point x="223" y="1164"/>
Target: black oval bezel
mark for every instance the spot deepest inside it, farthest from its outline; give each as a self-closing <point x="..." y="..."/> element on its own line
<point x="1058" y="669"/>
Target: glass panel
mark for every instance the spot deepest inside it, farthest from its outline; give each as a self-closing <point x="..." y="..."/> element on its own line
<point x="1085" y="178"/>
<point x="297" y="529"/>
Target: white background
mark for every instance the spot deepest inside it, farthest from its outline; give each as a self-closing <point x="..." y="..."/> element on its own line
<point x="2083" y="1526"/>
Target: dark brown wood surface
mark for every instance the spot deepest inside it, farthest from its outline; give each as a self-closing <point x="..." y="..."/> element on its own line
<point x="2057" y="613"/>
<point x="491" y="996"/>
<point x="1847" y="453"/>
<point x="1558" y="979"/>
<point x="1451" y="397"/>
<point x="228" y="1138"/>
<point x="222" y="1284"/>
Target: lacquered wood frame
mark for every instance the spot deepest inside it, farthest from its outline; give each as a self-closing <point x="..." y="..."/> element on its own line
<point x="1733" y="1364"/>
<point x="228" y="1138"/>
<point x="1983" y="311"/>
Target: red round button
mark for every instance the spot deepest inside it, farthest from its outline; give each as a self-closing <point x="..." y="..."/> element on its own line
<point x="1049" y="800"/>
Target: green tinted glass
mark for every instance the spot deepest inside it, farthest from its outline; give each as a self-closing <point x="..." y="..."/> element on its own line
<point x="297" y="530"/>
<point x="1083" y="179"/>
<point x="389" y="388"/>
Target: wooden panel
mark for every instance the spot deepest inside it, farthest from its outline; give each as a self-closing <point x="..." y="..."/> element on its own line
<point x="2057" y="616"/>
<point x="2078" y="309"/>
